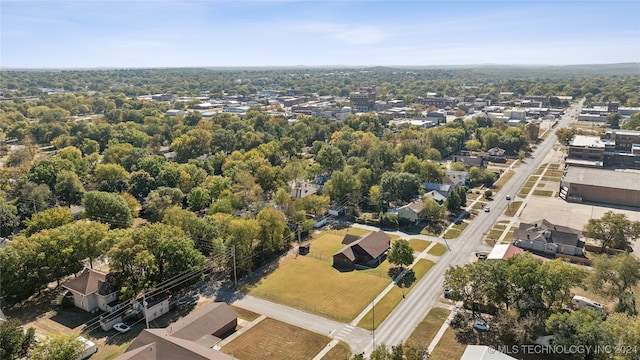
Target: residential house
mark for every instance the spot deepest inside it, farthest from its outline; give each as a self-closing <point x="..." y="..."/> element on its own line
<point x="192" y="337"/>
<point x="544" y="237"/>
<point x="470" y="161"/>
<point x="303" y="190"/>
<point x="367" y="250"/>
<point x="412" y="212"/>
<point x="92" y="290"/>
<point x="170" y="156"/>
<point x="443" y="189"/>
<point x="495" y="154"/>
<point x="453" y="177"/>
<point x="436" y="196"/>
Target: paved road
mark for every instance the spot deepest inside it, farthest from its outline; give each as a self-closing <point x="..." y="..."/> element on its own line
<point x="401" y="322"/>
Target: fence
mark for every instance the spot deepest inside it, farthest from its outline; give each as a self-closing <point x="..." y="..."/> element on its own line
<point x="598" y="250"/>
<point x="575" y="259"/>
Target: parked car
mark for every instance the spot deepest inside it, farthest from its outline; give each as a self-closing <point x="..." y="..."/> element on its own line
<point x="482" y="255"/>
<point x="549" y="340"/>
<point x="480" y="326"/>
<point x="121" y="327"/>
<point x="447" y="293"/>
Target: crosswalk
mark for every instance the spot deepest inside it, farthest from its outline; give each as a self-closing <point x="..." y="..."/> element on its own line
<point x="344" y="332"/>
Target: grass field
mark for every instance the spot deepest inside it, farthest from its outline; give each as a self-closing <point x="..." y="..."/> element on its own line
<point x="419" y="245"/>
<point x="273" y="339"/>
<point x="448" y="347"/>
<point x="339" y="352"/>
<point x="503" y="179"/>
<point x="540" y="170"/>
<point x="426" y="330"/>
<point x="543" y="192"/>
<point x="513" y="207"/>
<point x="385" y="306"/>
<point x="452" y="234"/>
<point x="524" y="191"/>
<point x="310" y="282"/>
<point x="437" y="250"/>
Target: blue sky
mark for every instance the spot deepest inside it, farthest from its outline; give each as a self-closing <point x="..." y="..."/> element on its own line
<point x="146" y="33"/>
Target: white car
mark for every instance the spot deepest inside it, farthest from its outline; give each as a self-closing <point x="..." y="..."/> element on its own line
<point x="508" y="197"/>
<point x="481" y="326"/>
<point x="487" y="209"/>
<point x="121" y="327"/>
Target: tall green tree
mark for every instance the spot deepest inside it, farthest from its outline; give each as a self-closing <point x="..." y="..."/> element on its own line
<point x="48" y="219"/>
<point x="58" y="347"/>
<point x="330" y="158"/>
<point x="614" y="277"/>
<point x="613" y="230"/>
<point x="107" y="208"/>
<point x="68" y="187"/>
<point x="9" y="219"/>
<point x="432" y="211"/>
<point x="401" y="253"/>
<point x="581" y="328"/>
<point x="401" y="186"/>
<point x="14" y="340"/>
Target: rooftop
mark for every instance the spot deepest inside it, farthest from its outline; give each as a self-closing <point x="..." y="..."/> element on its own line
<point x="587" y="141"/>
<point x="602" y="178"/>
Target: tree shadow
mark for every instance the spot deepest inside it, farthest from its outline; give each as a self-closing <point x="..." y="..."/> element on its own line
<point x="406" y="280"/>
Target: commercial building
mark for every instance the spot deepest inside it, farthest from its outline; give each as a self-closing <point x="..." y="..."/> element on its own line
<point x="581" y="184"/>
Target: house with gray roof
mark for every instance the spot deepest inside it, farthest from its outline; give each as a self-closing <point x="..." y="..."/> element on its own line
<point x="192" y="337"/>
<point x="545" y="237"/>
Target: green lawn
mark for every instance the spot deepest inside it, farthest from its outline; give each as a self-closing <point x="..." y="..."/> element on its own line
<point x="426" y="330"/>
<point x="418" y="244"/>
<point x="524" y="191"/>
<point x="385" y="306"/>
<point x="312" y="284"/>
<point x="437" y="250"/>
<point x="452" y="234"/>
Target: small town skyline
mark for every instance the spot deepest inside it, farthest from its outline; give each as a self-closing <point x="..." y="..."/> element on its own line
<point x="160" y="34"/>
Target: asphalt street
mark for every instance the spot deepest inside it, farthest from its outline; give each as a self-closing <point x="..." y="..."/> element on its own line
<point x="406" y="316"/>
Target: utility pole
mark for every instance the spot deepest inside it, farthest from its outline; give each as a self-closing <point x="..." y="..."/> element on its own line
<point x="235" y="274"/>
<point x="144" y="303"/>
<point x="373" y="323"/>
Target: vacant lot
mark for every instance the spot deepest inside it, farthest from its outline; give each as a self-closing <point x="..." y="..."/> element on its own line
<point x="448" y="347"/>
<point x="418" y="244"/>
<point x="312" y="284"/>
<point x="426" y="330"/>
<point x="273" y="339"/>
<point x="339" y="352"/>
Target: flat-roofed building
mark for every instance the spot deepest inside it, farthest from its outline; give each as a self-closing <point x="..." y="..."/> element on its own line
<point x="581" y="184"/>
<point x="586" y="151"/>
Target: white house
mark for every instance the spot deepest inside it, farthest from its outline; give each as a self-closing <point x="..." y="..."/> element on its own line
<point x="92" y="290"/>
